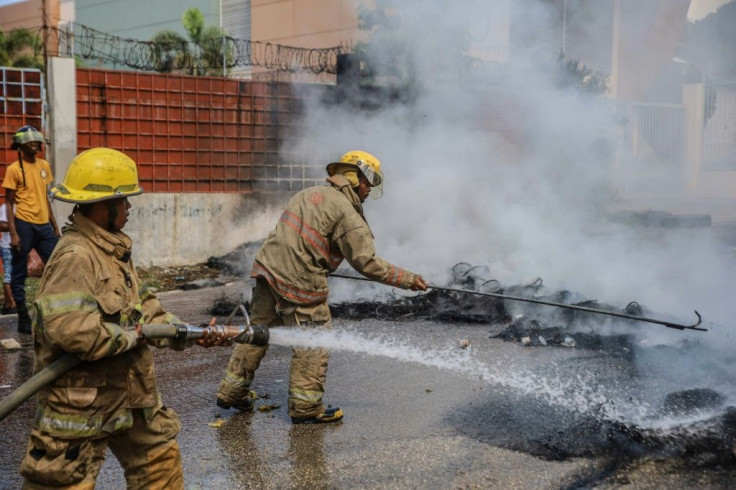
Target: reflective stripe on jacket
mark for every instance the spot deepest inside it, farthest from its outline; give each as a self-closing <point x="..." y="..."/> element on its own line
<point x="87" y="304"/>
<point x="320" y="227"/>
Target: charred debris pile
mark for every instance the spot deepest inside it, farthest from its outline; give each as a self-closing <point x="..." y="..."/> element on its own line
<point x="530" y="324"/>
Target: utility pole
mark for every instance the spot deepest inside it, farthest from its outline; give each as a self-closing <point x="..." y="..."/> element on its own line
<point x="564" y="25"/>
<point x="616" y="48"/>
<point x="45" y="32"/>
<point x="46" y="120"/>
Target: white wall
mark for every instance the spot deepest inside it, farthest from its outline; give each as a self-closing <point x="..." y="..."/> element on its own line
<point x="181" y="229"/>
<point x="702" y="182"/>
<point x="62" y="114"/>
<point x="185" y="229"/>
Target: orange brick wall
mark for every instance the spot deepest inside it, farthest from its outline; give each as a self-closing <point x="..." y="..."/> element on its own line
<point x="187" y="134"/>
<point x="20" y="104"/>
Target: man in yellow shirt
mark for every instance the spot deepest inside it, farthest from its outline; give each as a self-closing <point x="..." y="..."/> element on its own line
<point x="32" y="225"/>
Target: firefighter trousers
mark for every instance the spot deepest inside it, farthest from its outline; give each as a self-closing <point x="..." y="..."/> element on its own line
<point x="148" y="453"/>
<point x="308" y="371"/>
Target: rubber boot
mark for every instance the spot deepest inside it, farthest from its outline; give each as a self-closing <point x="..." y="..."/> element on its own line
<point x="332" y="414"/>
<point x="245" y="405"/>
<point x="8" y="301"/>
<point x="24" y="320"/>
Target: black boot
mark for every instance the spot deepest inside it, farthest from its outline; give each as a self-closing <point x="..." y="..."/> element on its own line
<point x="24" y="320"/>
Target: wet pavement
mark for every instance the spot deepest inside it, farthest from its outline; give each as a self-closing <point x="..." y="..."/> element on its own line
<point x="452" y="419"/>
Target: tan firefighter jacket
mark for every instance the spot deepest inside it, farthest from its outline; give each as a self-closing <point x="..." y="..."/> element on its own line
<point x="87" y="304"/>
<point x="320" y="227"/>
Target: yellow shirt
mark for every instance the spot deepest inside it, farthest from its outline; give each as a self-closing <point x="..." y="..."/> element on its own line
<point x="31" y="199"/>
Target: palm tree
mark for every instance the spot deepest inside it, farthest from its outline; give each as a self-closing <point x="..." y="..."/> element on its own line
<point x="20" y="48"/>
<point x="203" y="54"/>
<point x="170" y="52"/>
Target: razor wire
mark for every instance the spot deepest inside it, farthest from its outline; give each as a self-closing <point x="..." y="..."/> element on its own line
<point x="216" y="53"/>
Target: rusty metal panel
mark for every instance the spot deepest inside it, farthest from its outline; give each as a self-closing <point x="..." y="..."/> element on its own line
<point x="21" y="103"/>
<point x="191" y="134"/>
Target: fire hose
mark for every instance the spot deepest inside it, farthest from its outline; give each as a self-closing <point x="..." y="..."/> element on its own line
<point x="241" y="334"/>
<point x="667" y="324"/>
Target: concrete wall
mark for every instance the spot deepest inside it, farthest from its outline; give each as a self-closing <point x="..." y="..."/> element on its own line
<point x="179" y="229"/>
<point x="62" y="121"/>
<point x="305" y="23"/>
<point x="645" y="36"/>
<point x="717" y="184"/>
<point x="184" y="229"/>
<point x="27" y="14"/>
<point x="709" y="183"/>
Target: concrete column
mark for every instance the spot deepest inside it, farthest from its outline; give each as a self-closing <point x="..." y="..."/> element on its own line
<point x="693" y="100"/>
<point x="62" y="93"/>
<point x="616" y="46"/>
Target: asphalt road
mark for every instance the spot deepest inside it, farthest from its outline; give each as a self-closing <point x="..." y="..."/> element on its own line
<point x="420" y="412"/>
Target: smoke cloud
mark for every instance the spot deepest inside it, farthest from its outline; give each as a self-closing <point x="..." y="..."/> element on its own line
<point x="498" y="165"/>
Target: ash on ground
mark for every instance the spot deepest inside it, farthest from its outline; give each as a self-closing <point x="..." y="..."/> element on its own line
<point x="225" y="306"/>
<point x="184" y="277"/>
<point x="238" y="262"/>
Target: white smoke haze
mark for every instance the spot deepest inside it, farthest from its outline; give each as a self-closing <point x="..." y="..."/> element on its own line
<point x="499" y="167"/>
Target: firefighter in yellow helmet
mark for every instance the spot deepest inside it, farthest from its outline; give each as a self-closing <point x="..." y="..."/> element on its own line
<point x="320" y="227"/>
<point x="90" y="303"/>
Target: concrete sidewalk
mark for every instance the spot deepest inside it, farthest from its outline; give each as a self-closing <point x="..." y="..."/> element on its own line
<point x="721" y="211"/>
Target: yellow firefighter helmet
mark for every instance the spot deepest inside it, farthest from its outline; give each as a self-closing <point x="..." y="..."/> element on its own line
<point x="366" y="163"/>
<point x="97" y="175"/>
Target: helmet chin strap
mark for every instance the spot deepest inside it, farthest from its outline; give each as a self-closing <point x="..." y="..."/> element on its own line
<point x="112" y="215"/>
<point x="20" y="162"/>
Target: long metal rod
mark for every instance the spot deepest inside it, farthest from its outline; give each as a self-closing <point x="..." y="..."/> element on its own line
<point x="677" y="326"/>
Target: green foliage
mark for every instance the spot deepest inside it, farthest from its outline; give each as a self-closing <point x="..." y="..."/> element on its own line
<point x="212" y="44"/>
<point x="203" y="53"/>
<point x="21" y="48"/>
<point x="572" y="73"/>
<point x="170" y="51"/>
<point x="193" y="22"/>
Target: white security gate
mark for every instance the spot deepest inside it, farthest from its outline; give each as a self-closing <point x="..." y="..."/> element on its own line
<point x="653" y="150"/>
<point x="719" y="125"/>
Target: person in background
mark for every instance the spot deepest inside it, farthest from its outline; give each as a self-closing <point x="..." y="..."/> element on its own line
<point x="321" y="226"/>
<point x="8" y="301"/>
<point x="31" y="221"/>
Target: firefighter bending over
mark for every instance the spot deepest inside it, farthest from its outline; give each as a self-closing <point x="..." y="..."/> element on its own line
<point x="320" y="227"/>
<point x="90" y="303"/>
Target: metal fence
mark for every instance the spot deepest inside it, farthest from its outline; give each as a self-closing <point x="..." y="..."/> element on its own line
<point x="653" y="148"/>
<point x="719" y="130"/>
<point x="21" y="103"/>
<point x="653" y="136"/>
<point x="196" y="134"/>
